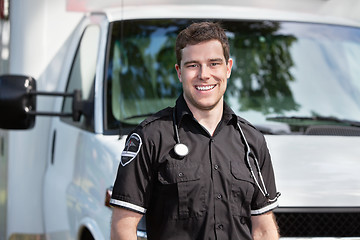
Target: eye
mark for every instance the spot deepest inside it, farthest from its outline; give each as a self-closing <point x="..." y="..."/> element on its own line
<point x="192" y="65"/>
<point x="214" y="64"/>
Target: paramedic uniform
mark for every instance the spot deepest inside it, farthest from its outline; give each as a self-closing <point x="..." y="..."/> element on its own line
<point x="208" y="194"/>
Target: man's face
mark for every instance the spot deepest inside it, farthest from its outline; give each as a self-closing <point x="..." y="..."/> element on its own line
<point x="204" y="75"/>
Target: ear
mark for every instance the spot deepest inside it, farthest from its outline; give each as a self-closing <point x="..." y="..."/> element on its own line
<point x="178" y="70"/>
<point x="229" y="67"/>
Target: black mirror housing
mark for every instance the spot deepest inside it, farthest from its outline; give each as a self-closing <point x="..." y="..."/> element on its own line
<point x="16" y="101"/>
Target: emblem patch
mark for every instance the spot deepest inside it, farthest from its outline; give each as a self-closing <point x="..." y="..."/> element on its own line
<point x="132" y="148"/>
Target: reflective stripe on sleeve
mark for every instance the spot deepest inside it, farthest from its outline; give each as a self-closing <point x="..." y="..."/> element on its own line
<point x="127" y="205"/>
<point x="265" y="209"/>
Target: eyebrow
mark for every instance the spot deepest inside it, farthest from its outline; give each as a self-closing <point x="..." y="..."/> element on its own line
<point x="216" y="60"/>
<point x="210" y="60"/>
<point x="190" y="62"/>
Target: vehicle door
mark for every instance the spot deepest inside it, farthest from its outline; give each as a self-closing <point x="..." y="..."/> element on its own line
<point x="72" y="141"/>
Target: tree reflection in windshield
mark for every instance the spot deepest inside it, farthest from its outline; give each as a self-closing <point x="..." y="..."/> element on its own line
<point x="262" y="64"/>
<point x="280" y="69"/>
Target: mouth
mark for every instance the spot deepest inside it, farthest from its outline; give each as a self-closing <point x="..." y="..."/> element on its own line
<point x="205" y="88"/>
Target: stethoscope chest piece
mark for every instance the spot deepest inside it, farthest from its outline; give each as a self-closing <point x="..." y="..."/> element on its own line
<point x="181" y="149"/>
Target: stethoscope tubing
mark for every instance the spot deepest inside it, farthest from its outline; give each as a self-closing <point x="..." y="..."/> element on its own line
<point x="248" y="152"/>
<point x="185" y="151"/>
<point x="263" y="190"/>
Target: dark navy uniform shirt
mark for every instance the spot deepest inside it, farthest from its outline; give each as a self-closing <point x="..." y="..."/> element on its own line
<point x="208" y="194"/>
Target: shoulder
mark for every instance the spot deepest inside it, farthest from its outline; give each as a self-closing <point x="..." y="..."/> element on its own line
<point x="246" y="124"/>
<point x="164" y="114"/>
<point x="251" y="131"/>
<point x="155" y="121"/>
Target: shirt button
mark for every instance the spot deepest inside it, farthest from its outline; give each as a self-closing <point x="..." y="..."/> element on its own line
<point x="220" y="226"/>
<point x="181" y="174"/>
<point x="219" y="196"/>
<point x="216" y="167"/>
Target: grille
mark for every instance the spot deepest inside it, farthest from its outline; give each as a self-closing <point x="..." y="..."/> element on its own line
<point x="333" y="130"/>
<point x="319" y="224"/>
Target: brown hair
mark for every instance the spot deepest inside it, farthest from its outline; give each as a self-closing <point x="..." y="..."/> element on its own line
<point x="200" y="32"/>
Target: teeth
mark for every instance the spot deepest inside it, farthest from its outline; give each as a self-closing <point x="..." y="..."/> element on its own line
<point x="205" y="88"/>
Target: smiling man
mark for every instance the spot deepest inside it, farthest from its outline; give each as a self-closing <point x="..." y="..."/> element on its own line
<point x="203" y="71"/>
<point x="207" y="189"/>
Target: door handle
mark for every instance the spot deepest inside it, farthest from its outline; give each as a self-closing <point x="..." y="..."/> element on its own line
<point x="2" y="146"/>
<point x="53" y="147"/>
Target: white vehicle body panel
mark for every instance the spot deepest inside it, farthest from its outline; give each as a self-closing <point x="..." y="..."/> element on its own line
<point x="65" y="188"/>
<point x="78" y="154"/>
<point x="303" y="163"/>
<point x="32" y="52"/>
<point x="217" y="12"/>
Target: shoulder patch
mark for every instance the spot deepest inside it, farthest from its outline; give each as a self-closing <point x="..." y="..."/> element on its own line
<point x="131" y="150"/>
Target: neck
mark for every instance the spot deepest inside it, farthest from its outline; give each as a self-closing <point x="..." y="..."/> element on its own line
<point x="209" y="119"/>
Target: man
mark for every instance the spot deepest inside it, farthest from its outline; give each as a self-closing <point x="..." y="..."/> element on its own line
<point x="205" y="189"/>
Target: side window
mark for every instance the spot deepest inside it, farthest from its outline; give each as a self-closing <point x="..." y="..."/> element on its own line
<point x="82" y="77"/>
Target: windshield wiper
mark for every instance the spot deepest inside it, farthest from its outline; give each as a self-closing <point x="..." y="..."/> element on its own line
<point x="139" y="116"/>
<point x="313" y="120"/>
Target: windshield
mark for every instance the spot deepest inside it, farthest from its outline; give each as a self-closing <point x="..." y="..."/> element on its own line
<point x="281" y="70"/>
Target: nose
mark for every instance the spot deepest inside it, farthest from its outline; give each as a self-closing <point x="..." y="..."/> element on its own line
<point x="204" y="73"/>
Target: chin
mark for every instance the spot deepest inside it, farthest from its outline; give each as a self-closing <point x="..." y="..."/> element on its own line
<point x="207" y="106"/>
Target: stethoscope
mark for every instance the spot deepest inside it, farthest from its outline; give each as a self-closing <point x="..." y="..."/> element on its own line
<point x="181" y="150"/>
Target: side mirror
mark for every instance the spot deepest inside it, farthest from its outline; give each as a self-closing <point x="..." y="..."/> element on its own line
<point x="16" y="102"/>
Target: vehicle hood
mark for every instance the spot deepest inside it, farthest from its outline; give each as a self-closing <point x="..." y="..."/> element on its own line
<point x="316" y="171"/>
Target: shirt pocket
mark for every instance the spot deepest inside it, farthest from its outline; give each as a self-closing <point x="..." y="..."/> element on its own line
<point x="182" y="193"/>
<point x="242" y="189"/>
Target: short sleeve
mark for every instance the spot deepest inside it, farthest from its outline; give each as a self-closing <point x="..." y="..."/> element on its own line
<point x="133" y="178"/>
<point x="260" y="203"/>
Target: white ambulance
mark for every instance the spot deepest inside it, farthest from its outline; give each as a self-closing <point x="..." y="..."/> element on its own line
<point x="295" y="77"/>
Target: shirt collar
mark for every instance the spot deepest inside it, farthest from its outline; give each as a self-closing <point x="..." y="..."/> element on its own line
<point x="228" y="115"/>
<point x="182" y="110"/>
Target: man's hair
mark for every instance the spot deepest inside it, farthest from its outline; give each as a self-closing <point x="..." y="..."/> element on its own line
<point x="201" y="32"/>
